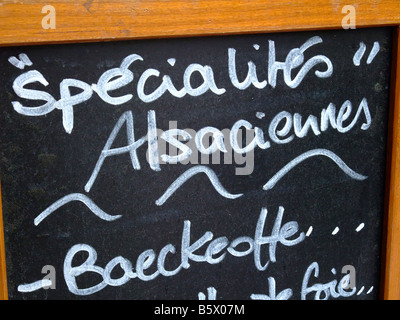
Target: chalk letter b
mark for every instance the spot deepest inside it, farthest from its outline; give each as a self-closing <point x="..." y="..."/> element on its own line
<point x="49" y="21"/>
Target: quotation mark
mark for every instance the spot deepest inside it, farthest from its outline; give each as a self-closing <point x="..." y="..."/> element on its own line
<point x="361" y="51"/>
<point x="21" y="62"/>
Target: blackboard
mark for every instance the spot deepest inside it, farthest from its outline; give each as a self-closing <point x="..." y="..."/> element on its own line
<point x="93" y="208"/>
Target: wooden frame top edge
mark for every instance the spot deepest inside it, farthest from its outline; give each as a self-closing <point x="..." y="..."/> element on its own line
<point x="87" y="21"/>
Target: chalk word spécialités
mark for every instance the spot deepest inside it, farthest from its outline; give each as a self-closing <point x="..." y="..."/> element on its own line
<point x="122" y="76"/>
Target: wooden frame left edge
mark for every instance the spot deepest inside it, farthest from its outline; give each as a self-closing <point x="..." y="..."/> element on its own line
<point x="3" y="270"/>
<point x="227" y="19"/>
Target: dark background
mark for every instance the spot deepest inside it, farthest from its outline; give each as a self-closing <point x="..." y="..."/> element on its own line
<point x="40" y="163"/>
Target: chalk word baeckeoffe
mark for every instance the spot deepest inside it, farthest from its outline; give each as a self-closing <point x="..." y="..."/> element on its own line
<point x="168" y="263"/>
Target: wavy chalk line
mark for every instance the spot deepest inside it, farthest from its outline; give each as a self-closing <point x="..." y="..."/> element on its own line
<point x="75" y="197"/>
<point x="190" y="173"/>
<point x="316" y="152"/>
<point x="30" y="287"/>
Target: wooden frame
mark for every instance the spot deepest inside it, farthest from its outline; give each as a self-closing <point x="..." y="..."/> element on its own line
<point x="83" y="21"/>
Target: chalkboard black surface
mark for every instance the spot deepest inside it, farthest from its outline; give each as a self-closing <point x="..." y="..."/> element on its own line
<point x="235" y="167"/>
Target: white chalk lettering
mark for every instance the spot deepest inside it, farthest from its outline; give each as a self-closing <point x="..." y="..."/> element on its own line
<point x="294" y="59"/>
<point x="114" y="79"/>
<point x="272" y="237"/>
<point x="31" y="94"/>
<point x="122" y="76"/>
<point x="323" y="291"/>
<point x="215" y="252"/>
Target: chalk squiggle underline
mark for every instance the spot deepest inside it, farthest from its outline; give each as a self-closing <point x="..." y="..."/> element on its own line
<point x="30" y="287"/>
<point x="190" y="173"/>
<point x="75" y="197"/>
<point x="315" y="152"/>
<point x="213" y="179"/>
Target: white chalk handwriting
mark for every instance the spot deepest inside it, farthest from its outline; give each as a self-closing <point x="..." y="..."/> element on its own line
<point x="122" y="76"/>
<point x="169" y="263"/>
<point x="340" y="116"/>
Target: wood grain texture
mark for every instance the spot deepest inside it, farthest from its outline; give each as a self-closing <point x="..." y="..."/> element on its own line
<point x="392" y="260"/>
<point x="20" y="22"/>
